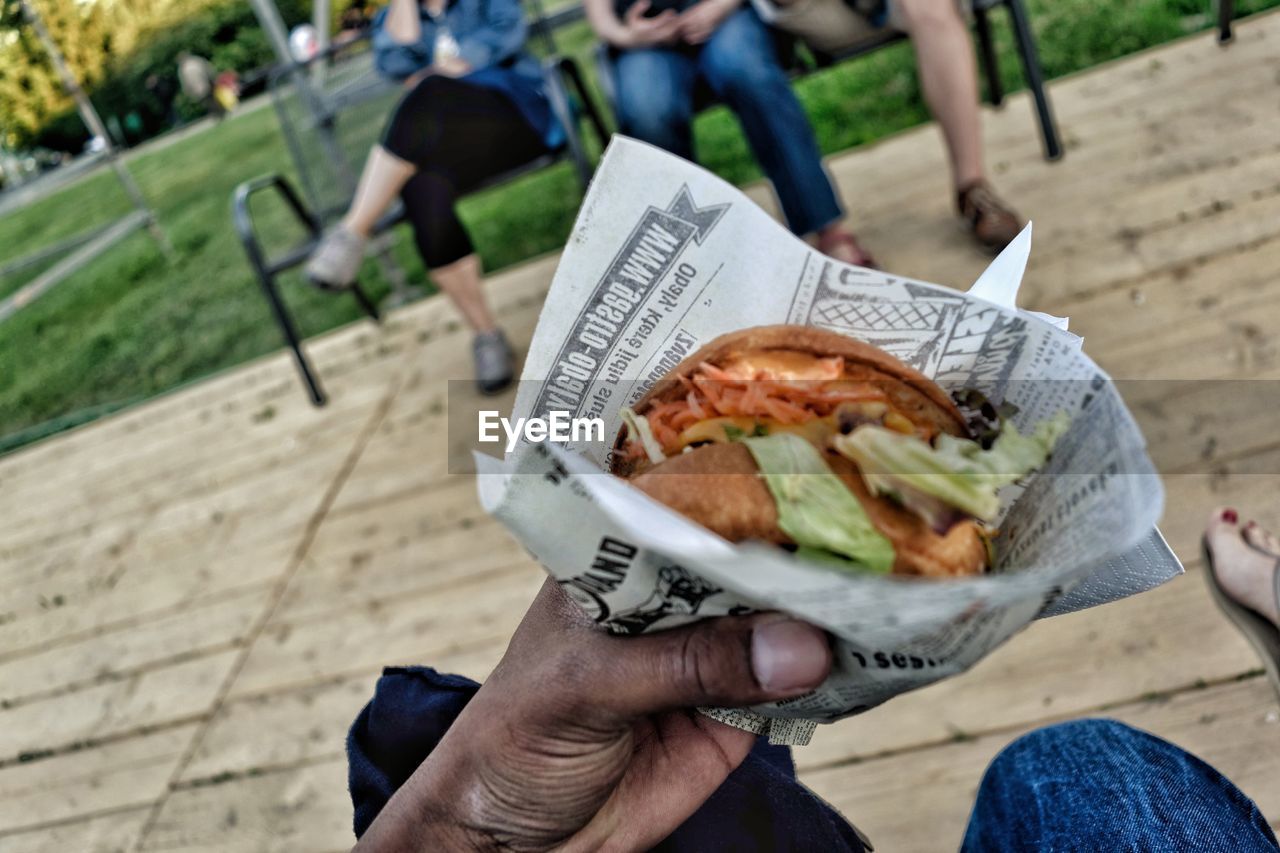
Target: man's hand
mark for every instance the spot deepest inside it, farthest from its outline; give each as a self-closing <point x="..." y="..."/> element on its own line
<point x="583" y="741"/>
<point x="699" y="22"/>
<point x="639" y="31"/>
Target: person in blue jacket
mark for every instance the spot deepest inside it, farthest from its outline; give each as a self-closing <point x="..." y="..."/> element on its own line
<point x="474" y="107"/>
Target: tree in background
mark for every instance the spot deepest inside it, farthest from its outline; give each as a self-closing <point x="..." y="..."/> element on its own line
<point x="87" y="33"/>
<point x="124" y="52"/>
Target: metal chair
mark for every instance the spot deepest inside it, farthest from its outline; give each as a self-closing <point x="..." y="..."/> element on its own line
<point x="330" y="111"/>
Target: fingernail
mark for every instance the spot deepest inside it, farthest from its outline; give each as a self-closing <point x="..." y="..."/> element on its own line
<point x="1230" y="516"/>
<point x="789" y="655"/>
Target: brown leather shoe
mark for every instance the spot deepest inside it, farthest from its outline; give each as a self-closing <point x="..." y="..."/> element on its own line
<point x="994" y="223"/>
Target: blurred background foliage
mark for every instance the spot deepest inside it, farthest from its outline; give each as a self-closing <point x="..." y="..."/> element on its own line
<point x="114" y="47"/>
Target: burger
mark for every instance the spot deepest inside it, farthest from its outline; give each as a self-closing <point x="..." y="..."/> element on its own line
<point x="828" y="447"/>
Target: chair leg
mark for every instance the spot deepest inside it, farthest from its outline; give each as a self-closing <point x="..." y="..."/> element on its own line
<point x="554" y="76"/>
<point x="285" y="322"/>
<point x="1226" y="8"/>
<point x="588" y="103"/>
<point x="365" y="302"/>
<point x="987" y="53"/>
<point x="1035" y="77"/>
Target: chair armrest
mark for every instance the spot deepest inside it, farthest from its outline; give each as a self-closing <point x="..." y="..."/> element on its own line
<point x="242" y="215"/>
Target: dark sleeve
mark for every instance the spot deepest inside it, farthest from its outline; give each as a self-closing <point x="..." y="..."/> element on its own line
<point x="761" y="806"/>
<point x="500" y="35"/>
<point x="411" y="709"/>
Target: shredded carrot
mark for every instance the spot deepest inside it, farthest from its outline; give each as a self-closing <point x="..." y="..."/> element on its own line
<point x="713" y="392"/>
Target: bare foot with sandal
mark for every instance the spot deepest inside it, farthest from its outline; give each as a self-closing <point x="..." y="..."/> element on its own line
<point x="1243" y="571"/>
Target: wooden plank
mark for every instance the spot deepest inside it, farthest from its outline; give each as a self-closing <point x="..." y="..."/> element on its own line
<point x="1189" y="498"/>
<point x="1172" y="637"/>
<point x="1082" y="243"/>
<point x="921" y="800"/>
<point x="108" y="778"/>
<point x="132" y="596"/>
<point x="306" y="808"/>
<point x="194" y="421"/>
<point x="445" y="501"/>
<point x="281" y="729"/>
<point x="187" y="412"/>
<point x="429" y="414"/>
<point x="110" y="833"/>
<point x="377" y="556"/>
<point x="886" y="797"/>
<point x="188" y="465"/>
<point x="1167" y="639"/>
<point x="1110" y="104"/>
<point x="430" y="628"/>
<point x="294" y="725"/>
<point x="74" y="602"/>
<point x="1191" y="426"/>
<point x="173" y="694"/>
<point x="111" y="656"/>
<point x="408" y="592"/>
<point x="271" y="378"/>
<point x="1180" y="323"/>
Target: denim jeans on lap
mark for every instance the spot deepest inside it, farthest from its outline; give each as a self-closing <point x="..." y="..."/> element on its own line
<point x="1099" y="785"/>
<point x="739" y="63"/>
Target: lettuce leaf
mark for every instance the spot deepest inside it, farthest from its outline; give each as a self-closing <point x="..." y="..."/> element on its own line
<point x="815" y="508"/>
<point x="955" y="471"/>
<point x="639" y="429"/>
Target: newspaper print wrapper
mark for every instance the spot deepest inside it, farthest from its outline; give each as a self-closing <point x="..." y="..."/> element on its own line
<point x="676" y="257"/>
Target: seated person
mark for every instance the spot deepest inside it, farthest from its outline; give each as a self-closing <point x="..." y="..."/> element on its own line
<point x="580" y="740"/>
<point x="474" y="108"/>
<point x="948" y="77"/>
<point x="659" y="59"/>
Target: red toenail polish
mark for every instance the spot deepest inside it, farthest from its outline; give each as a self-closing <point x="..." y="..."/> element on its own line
<point x="1230" y="516"/>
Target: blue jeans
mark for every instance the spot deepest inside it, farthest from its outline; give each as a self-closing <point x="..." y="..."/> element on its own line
<point x="1101" y="785"/>
<point x="740" y="65"/>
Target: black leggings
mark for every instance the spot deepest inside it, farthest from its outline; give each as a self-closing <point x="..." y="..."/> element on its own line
<point x="457" y="134"/>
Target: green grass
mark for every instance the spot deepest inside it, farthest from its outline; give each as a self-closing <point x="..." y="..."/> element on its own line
<point x="132" y="324"/>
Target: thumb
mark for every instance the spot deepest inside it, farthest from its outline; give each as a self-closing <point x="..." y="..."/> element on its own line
<point x="730" y="661"/>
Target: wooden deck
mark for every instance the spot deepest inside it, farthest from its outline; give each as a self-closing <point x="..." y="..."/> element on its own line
<point x="196" y="596"/>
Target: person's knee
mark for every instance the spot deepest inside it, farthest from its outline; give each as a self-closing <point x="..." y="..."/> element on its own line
<point x="652" y="115"/>
<point x="742" y="64"/>
<point x="1074" y="739"/>
<point x="916" y="15"/>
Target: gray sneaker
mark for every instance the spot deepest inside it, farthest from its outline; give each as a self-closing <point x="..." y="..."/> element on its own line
<point x="495" y="361"/>
<point x="336" y="261"/>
